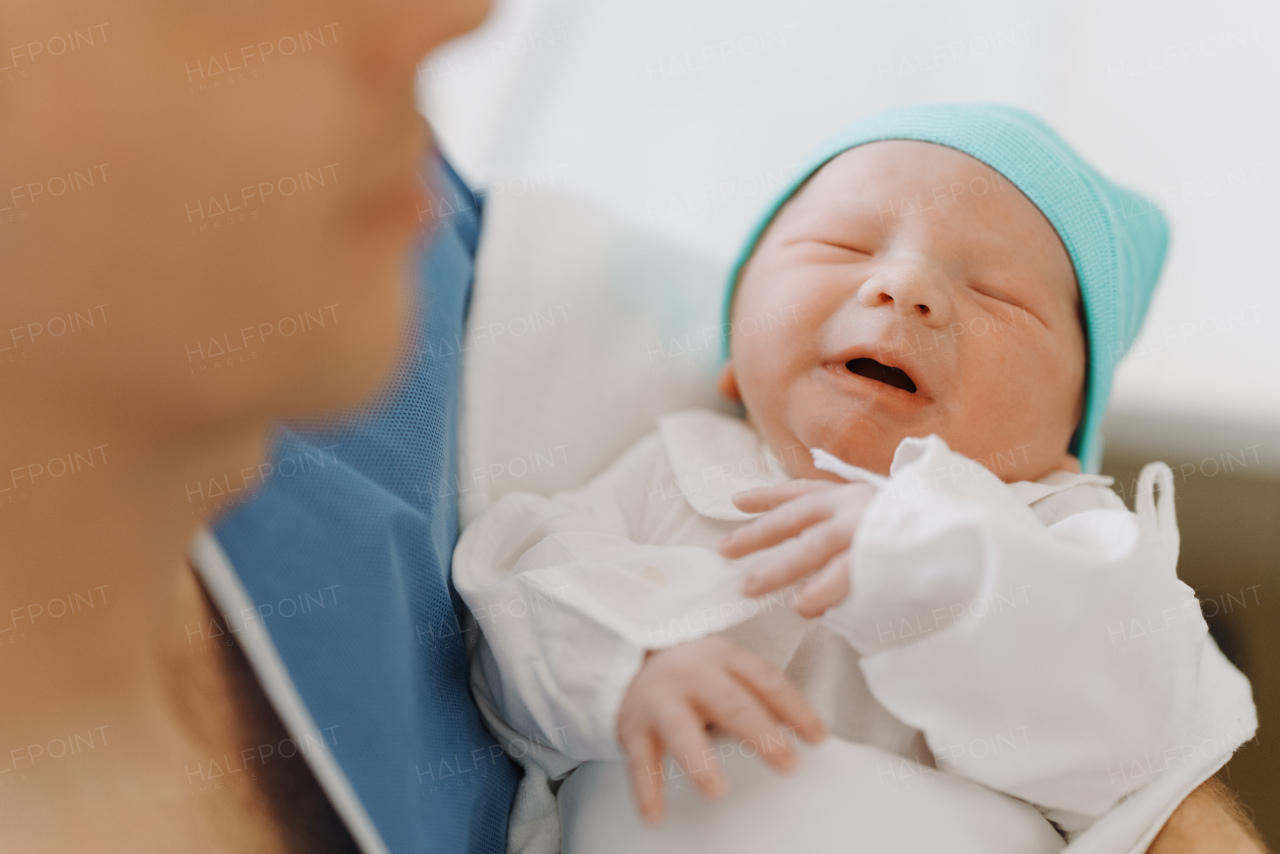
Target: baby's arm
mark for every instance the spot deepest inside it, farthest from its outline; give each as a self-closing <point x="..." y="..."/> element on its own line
<point x="1043" y="662"/>
<point x="572" y="609"/>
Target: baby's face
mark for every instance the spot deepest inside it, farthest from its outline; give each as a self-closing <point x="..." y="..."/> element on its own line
<point x="909" y="289"/>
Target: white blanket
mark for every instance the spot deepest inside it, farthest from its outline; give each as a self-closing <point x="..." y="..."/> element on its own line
<point x="842" y="797"/>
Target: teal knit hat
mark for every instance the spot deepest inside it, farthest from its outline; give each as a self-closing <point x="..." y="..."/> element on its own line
<point x="1115" y="237"/>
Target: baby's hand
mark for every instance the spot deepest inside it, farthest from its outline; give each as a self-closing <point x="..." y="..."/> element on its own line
<point x="819" y="517"/>
<point x="682" y="692"/>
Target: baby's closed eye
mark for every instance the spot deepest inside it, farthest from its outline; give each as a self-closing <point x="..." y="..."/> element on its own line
<point x="996" y="294"/>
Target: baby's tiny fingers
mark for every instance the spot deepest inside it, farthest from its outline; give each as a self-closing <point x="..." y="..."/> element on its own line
<point x="804" y="555"/>
<point x="778" y="693"/>
<point x="776" y="526"/>
<point x="685" y="737"/>
<point x="828" y="588"/>
<point x="737" y="711"/>
<point x="764" y="498"/>
<point x="644" y="766"/>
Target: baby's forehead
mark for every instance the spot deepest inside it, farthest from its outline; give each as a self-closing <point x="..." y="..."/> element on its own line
<point x="936" y="194"/>
<point x="933" y="174"/>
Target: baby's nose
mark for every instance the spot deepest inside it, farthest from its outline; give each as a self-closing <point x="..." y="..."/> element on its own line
<point x="912" y="290"/>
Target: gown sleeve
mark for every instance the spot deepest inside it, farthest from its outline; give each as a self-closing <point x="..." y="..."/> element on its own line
<point x="1039" y="660"/>
<point x="569" y="599"/>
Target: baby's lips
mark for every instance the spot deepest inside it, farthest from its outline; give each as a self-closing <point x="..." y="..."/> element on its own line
<point x="895" y="355"/>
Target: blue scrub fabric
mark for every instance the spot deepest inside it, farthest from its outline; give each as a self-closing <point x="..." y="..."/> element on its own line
<point x="356" y="526"/>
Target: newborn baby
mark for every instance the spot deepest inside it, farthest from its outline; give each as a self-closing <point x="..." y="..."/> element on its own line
<point x="925" y="332"/>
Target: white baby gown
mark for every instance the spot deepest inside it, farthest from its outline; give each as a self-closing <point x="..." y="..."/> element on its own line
<point x="1004" y="645"/>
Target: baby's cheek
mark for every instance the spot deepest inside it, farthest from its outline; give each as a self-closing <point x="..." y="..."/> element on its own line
<point x="998" y="399"/>
<point x="1057" y="377"/>
<point x="765" y="357"/>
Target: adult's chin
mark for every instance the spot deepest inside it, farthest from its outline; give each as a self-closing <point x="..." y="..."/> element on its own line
<point x="367" y="357"/>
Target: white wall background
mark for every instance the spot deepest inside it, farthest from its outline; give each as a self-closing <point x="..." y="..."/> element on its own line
<point x="683" y="115"/>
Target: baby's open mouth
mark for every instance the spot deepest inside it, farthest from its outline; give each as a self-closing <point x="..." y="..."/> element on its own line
<point x="871" y="369"/>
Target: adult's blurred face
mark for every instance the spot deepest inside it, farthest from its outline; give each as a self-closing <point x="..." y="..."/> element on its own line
<point x="206" y="206"/>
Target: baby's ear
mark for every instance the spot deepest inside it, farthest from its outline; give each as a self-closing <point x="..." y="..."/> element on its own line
<point x="727" y="383"/>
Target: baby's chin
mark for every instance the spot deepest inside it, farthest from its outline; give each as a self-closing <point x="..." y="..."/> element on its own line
<point x="876" y="458"/>
<point x="867" y="442"/>
<point x="864" y="445"/>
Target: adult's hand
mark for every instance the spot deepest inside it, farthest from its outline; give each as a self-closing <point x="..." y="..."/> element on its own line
<point x="1209" y="821"/>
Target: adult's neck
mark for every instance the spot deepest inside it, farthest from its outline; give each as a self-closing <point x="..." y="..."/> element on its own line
<point x="95" y="521"/>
